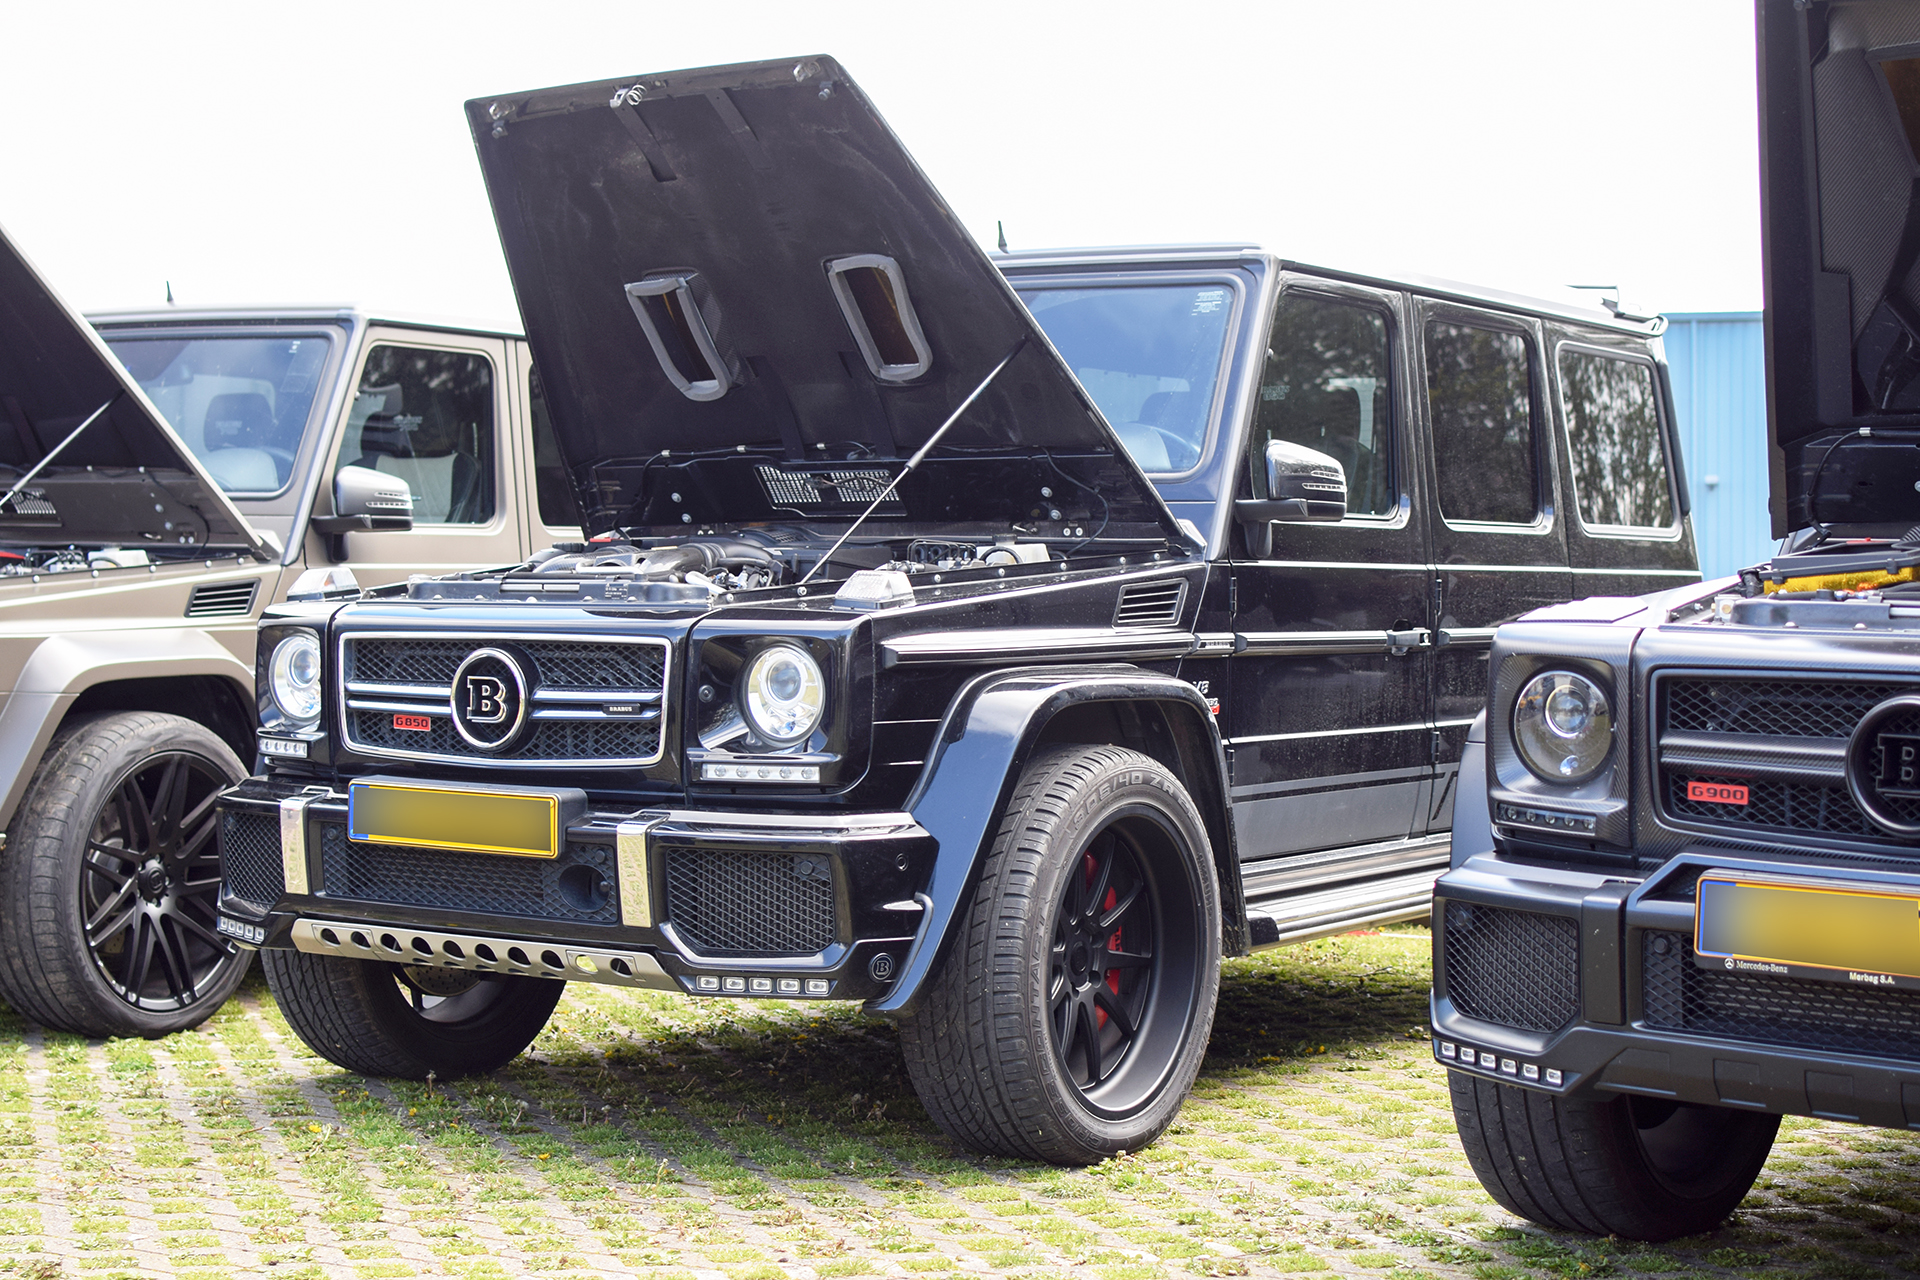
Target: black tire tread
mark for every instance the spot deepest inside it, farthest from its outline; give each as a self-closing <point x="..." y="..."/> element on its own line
<point x="326" y="1002"/>
<point x="1567" y="1163"/>
<point x="966" y="1048"/>
<point x="42" y="975"/>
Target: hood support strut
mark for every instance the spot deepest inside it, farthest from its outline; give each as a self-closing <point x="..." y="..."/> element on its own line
<point x="55" y="452"/>
<point x="918" y="454"/>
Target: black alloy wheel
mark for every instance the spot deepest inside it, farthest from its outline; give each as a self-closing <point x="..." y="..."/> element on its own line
<point x="1102" y="977"/>
<point x="150" y="881"/>
<point x="110" y="881"/>
<point x="1068" y="1018"/>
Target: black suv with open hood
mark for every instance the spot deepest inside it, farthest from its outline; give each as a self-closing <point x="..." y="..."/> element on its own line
<point x="949" y="630"/>
<point x="1686" y="865"/>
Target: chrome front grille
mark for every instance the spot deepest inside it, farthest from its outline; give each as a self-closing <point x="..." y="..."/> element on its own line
<point x="591" y="702"/>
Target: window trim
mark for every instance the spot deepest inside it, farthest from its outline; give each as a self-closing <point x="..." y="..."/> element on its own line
<point x="1401" y="512"/>
<point x="502" y="481"/>
<point x="1235" y="284"/>
<point x="1668" y="438"/>
<point x="329" y="373"/>
<point x="1541" y="423"/>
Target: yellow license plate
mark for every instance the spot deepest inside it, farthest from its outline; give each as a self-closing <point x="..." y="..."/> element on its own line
<point x="1865" y="931"/>
<point x="527" y="824"/>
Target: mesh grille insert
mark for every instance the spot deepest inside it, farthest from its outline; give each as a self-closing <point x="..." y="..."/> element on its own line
<point x="494" y="884"/>
<point x="583" y="740"/>
<point x="1677" y="994"/>
<point x="250" y="856"/>
<point x="1790" y="708"/>
<point x="750" y="904"/>
<point x="1516" y="968"/>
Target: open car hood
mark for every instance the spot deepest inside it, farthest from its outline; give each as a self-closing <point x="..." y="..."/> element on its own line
<point x="1839" y="134"/>
<point x="127" y="480"/>
<point x="747" y="303"/>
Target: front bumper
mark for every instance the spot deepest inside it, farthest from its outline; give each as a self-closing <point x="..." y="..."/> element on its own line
<point x="708" y="903"/>
<point x="1568" y="980"/>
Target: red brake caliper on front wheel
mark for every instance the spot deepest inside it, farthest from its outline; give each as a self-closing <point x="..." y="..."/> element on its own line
<point x="1113" y="943"/>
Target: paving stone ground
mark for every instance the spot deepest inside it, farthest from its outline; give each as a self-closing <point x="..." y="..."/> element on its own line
<point x="649" y="1136"/>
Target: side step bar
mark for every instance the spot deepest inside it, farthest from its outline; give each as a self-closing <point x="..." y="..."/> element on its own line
<point x="1302" y="917"/>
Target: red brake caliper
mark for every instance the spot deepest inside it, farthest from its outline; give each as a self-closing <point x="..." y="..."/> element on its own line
<point x="1113" y="943"/>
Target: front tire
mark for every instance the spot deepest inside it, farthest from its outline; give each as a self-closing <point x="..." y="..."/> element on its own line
<point x="1643" y="1168"/>
<point x="109" y="881"/>
<point x="408" y="1021"/>
<point x="1069" y="1017"/>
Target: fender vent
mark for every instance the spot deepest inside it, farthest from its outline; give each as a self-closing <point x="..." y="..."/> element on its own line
<point x="1151" y="604"/>
<point x="223" y="599"/>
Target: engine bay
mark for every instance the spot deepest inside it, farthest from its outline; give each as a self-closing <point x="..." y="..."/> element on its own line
<point x="701" y="567"/>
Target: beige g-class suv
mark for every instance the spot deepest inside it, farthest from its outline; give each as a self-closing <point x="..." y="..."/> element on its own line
<point x="164" y="476"/>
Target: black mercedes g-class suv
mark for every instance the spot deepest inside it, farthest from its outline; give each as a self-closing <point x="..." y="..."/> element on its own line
<point x="889" y="674"/>
<point x="1684" y="898"/>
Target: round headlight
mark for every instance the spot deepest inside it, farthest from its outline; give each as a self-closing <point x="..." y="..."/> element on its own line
<point x="785" y="694"/>
<point x="1563" y="726"/>
<point x="294" y="678"/>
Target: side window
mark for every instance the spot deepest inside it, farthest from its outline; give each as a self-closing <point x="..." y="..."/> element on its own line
<point x="552" y="486"/>
<point x="1613" y="427"/>
<point x="1480" y="399"/>
<point x="1326" y="386"/>
<point x="427" y="417"/>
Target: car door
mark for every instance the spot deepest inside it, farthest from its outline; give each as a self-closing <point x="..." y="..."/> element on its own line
<point x="1499" y="540"/>
<point x="550" y="512"/>
<point x="430" y="408"/>
<point x="1327" y="716"/>
<point x="1627" y="535"/>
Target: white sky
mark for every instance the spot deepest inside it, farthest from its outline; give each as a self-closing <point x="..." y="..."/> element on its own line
<point x="274" y="153"/>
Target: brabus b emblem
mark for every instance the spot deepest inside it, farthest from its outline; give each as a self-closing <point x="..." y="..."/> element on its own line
<point x="489" y="699"/>
<point x="1883" y="765"/>
<point x="486" y="700"/>
<point x="1899" y="764"/>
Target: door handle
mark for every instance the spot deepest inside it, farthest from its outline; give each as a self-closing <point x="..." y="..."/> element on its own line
<point x="1400" y="643"/>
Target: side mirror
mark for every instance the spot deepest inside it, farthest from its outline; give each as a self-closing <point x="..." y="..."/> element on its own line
<point x="364" y="499"/>
<point x="1303" y="486"/>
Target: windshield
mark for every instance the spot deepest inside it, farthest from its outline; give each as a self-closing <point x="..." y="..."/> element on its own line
<point x="1149" y="355"/>
<point x="241" y="404"/>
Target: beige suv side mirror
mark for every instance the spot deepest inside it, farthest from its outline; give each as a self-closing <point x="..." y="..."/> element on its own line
<point x="364" y="499"/>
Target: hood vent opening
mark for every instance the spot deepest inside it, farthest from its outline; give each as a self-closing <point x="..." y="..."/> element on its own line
<point x="872" y="293"/>
<point x="677" y="330"/>
<point x="223" y="599"/>
<point x="1151" y="604"/>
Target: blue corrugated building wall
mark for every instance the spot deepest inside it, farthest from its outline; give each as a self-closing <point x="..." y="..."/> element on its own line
<point x="1720" y="393"/>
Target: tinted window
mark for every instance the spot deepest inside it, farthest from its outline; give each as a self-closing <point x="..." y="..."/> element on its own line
<point x="1148" y="355"/>
<point x="1480" y="397"/>
<point x="1326" y="386"/>
<point x="241" y="404"/>
<point x="427" y="417"/>
<point x="550" y="481"/>
<point x="1613" y="428"/>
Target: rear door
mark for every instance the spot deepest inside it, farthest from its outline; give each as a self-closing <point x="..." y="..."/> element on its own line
<point x="1499" y="539"/>
<point x="1326" y="719"/>
<point x="1626" y="535"/>
<point x="549" y="510"/>
<point x="431" y="408"/>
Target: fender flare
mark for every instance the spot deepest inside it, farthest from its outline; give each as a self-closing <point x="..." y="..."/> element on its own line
<point x="990" y="730"/>
<point x="65" y="666"/>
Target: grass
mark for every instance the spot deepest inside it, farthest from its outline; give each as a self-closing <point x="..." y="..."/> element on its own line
<point x="657" y="1137"/>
